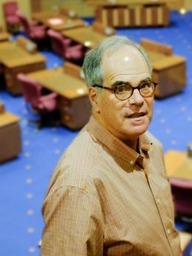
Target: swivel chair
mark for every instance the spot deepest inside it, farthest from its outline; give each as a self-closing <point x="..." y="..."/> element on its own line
<point x="38" y="101"/>
<point x="12" y="21"/>
<point x="32" y="29"/>
<point x="66" y="48"/>
<point x="182" y="197"/>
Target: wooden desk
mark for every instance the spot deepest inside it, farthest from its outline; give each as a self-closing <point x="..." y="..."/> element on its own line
<point x="73" y="101"/>
<point x="132" y="13"/>
<point x="178" y="165"/>
<point x="15" y="59"/>
<point x="55" y="20"/>
<point x="185" y="239"/>
<point x="4" y="36"/>
<point x="169" y="72"/>
<point x="85" y="35"/>
<point x="169" y="69"/>
<point x="10" y="136"/>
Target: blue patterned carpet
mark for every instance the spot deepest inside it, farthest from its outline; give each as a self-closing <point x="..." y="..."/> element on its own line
<point x="23" y="181"/>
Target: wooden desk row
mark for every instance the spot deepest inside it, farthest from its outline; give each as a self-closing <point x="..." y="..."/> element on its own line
<point x="172" y="4"/>
<point x="57" y="20"/>
<point x="19" y="56"/>
<point x="73" y="101"/>
<point x="89" y="36"/>
<point x="169" y="70"/>
<point x="132" y="13"/>
<point x="74" y="28"/>
<point x="23" y="57"/>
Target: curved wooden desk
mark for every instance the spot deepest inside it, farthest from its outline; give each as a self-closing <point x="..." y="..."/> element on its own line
<point x="178" y="165"/>
<point x="73" y="100"/>
<point x="4" y="36"/>
<point x="132" y="13"/>
<point x="16" y="59"/>
<point x="57" y="21"/>
<point x="84" y="35"/>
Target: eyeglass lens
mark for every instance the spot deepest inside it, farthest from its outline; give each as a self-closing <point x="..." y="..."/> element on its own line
<point x="125" y="91"/>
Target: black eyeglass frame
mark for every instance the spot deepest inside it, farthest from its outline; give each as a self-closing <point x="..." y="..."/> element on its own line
<point x="114" y="88"/>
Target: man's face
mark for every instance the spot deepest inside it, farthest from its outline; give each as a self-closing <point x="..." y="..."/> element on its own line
<point x="130" y="118"/>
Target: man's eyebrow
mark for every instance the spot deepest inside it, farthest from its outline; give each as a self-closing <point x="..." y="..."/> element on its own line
<point x="120" y="83"/>
<point x="128" y="83"/>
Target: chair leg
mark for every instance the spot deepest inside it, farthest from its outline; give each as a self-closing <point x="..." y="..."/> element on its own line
<point x="49" y="119"/>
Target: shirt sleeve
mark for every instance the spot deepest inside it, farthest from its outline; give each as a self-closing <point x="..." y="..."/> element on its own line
<point x="73" y="223"/>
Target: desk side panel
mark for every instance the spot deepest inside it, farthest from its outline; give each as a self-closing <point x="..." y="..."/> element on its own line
<point x="12" y="84"/>
<point x="75" y="113"/>
<point x="171" y="80"/>
<point x="10" y="137"/>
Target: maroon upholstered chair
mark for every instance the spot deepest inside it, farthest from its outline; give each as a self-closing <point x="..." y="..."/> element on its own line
<point x="43" y="104"/>
<point x="34" y="31"/>
<point x="12" y="21"/>
<point x="182" y="197"/>
<point x="58" y="42"/>
<point x="64" y="48"/>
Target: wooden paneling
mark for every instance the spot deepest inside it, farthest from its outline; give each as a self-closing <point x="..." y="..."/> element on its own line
<point x="133" y="15"/>
<point x="35" y="5"/>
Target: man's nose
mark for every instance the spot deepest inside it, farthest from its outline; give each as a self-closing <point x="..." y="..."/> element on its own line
<point x="136" y="97"/>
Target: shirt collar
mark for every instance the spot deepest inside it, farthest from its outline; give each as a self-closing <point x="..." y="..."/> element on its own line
<point x="117" y="148"/>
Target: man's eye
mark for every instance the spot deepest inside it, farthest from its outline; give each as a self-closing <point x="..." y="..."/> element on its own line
<point x="146" y="85"/>
<point x="123" y="88"/>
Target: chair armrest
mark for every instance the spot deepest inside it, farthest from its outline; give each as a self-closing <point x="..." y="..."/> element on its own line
<point x="38" y="27"/>
<point x="76" y="47"/>
<point x="49" y="102"/>
<point x="67" y="41"/>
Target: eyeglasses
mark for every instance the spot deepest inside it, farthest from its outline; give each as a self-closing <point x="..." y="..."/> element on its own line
<point x="124" y="91"/>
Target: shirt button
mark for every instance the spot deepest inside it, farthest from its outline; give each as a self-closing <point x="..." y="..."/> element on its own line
<point x="158" y="201"/>
<point x="168" y="231"/>
<point x="131" y="162"/>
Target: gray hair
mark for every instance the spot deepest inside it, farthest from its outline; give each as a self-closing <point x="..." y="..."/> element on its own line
<point x="92" y="65"/>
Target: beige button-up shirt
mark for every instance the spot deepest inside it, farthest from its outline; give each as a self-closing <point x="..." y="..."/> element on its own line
<point x="105" y="199"/>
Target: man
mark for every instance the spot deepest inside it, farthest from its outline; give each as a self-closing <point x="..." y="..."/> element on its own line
<point x="109" y="194"/>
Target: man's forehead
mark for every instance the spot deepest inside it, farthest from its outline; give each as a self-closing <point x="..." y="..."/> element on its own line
<point x="127" y="58"/>
<point x="120" y="49"/>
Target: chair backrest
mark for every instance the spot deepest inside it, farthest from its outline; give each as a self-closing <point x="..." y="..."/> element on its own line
<point x="25" y="22"/>
<point x="31" y="89"/>
<point x="57" y="41"/>
<point x="182" y="196"/>
<point x="10" y="8"/>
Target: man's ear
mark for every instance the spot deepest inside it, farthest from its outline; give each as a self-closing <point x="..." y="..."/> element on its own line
<point x="93" y="96"/>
